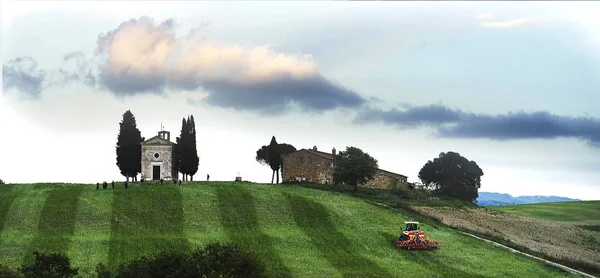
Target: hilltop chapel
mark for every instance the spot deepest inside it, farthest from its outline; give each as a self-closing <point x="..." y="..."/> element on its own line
<point x="158" y="157"/>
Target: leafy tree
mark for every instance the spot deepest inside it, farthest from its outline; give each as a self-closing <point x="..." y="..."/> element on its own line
<point x="353" y="166"/>
<point x="187" y="153"/>
<point x="263" y="155"/>
<point x="453" y="175"/>
<point x="1" y="181"/>
<point x="129" y="150"/>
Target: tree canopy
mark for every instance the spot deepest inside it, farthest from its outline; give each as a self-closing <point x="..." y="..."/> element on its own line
<point x="353" y="166"/>
<point x="264" y="156"/>
<point x="129" y="148"/>
<point x="453" y="175"/>
<point x="186" y="152"/>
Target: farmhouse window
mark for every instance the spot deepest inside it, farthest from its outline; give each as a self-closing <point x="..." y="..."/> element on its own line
<point x="301" y="160"/>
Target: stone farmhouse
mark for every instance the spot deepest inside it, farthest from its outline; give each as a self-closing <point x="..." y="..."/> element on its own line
<point x="158" y="157"/>
<point x="317" y="167"/>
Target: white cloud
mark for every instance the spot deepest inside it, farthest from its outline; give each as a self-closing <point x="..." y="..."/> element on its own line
<point x="490" y="20"/>
<point x="215" y="62"/>
<point x="138" y="48"/>
<point x="486" y="16"/>
<point x="143" y="50"/>
<point x="519" y="22"/>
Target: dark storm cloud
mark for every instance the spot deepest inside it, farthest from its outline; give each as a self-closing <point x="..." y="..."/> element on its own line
<point x="271" y="96"/>
<point x="23" y="75"/>
<point x="452" y="123"/>
<point x="522" y="125"/>
<point x="411" y="116"/>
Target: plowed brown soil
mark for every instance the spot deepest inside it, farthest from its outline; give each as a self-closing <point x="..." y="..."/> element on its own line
<point x="555" y="240"/>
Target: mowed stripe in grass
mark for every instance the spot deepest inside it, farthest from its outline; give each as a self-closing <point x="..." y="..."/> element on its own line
<point x="91" y="239"/>
<point x="239" y="218"/>
<point x="7" y="197"/>
<point x="314" y="220"/>
<point x="201" y="213"/>
<point x="146" y="220"/>
<point x="57" y="221"/>
<point x="20" y="224"/>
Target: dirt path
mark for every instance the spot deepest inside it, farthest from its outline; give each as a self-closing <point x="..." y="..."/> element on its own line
<point x="566" y="268"/>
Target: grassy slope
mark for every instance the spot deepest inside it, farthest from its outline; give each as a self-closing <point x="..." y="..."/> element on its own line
<point x="300" y="232"/>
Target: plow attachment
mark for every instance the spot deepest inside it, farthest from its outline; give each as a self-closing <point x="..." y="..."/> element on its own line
<point x="419" y="245"/>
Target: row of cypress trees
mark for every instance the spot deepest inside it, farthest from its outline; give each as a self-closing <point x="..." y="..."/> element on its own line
<point x="187" y="155"/>
<point x="129" y="149"/>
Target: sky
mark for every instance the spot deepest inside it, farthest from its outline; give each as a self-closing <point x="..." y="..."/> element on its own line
<point x="513" y="86"/>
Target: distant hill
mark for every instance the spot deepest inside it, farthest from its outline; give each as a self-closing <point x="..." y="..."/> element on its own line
<point x="585" y="214"/>
<point x="502" y="199"/>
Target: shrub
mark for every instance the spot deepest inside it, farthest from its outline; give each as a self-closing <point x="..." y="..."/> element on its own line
<point x="402" y="192"/>
<point x="164" y="264"/>
<point x="393" y="183"/>
<point x="6" y="272"/>
<point x="49" y="265"/>
<point x="215" y="260"/>
<point x="102" y="271"/>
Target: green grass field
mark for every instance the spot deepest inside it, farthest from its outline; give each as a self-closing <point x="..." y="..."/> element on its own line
<point x="585" y="214"/>
<point x="299" y="232"/>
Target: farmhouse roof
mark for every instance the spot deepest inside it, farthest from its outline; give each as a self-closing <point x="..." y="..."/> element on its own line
<point x="392" y="173"/>
<point x="321" y="154"/>
<point x="317" y="153"/>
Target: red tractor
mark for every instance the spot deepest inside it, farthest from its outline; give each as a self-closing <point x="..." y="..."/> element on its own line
<point x="413" y="238"/>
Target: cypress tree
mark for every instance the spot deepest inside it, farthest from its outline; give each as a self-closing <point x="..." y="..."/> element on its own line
<point x="274" y="158"/>
<point x="129" y="150"/>
<point x="181" y="149"/>
<point x="193" y="159"/>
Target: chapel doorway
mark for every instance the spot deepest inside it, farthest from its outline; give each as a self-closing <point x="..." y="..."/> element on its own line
<point x="155" y="173"/>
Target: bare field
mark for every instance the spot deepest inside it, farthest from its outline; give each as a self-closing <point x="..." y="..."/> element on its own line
<point x="557" y="240"/>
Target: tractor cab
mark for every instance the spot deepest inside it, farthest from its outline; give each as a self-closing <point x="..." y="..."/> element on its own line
<point x="411" y="226"/>
<point x="410" y="231"/>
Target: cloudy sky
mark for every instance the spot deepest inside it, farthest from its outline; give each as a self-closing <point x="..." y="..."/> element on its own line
<point x="514" y="86"/>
